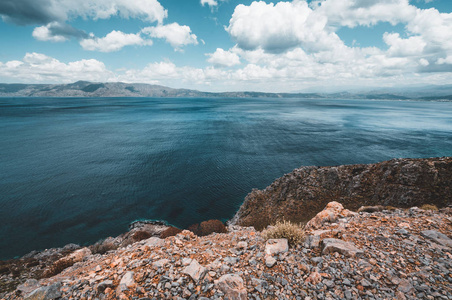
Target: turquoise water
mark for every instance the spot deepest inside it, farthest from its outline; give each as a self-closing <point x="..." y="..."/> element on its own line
<point x="77" y="170"/>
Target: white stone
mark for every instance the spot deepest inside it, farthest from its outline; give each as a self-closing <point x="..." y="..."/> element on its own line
<point x="195" y="270"/>
<point x="275" y="246"/>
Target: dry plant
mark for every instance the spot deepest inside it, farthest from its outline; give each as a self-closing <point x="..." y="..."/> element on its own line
<point x="431" y="207"/>
<point x="294" y="233"/>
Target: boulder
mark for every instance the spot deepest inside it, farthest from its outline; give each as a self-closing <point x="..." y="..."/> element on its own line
<point x="154" y="242"/>
<point x="276" y="246"/>
<point x="348" y="249"/>
<point x="45" y="292"/>
<point x="160" y="263"/>
<point x="232" y="286"/>
<point x="28" y="286"/>
<point x="195" y="270"/>
<point x="126" y="282"/>
<point x="331" y="213"/>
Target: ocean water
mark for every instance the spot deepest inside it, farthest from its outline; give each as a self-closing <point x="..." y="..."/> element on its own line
<point x="77" y="170"/>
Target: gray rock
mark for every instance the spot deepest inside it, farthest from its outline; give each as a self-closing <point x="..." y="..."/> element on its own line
<point x="365" y="283"/>
<point x="160" y="263"/>
<point x="231" y="260"/>
<point x="405" y="287"/>
<point x="276" y="246"/>
<point x="270" y="261"/>
<point x="437" y="237"/>
<point x="104" y="284"/>
<point x="232" y="286"/>
<point x="195" y="270"/>
<point x="331" y="245"/>
<point x="126" y="282"/>
<point x="28" y="286"/>
<point x="45" y="292"/>
<point x="317" y="260"/>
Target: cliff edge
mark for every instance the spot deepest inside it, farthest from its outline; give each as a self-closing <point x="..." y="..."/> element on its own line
<point x="299" y="195"/>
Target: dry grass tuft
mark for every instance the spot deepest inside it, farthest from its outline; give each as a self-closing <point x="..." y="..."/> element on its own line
<point x="294" y="233"/>
<point x="102" y="247"/>
<point x="431" y="207"/>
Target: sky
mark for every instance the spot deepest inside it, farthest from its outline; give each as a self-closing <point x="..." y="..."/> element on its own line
<point x="229" y="45"/>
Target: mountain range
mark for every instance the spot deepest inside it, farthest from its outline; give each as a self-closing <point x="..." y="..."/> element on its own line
<point x="120" y="89"/>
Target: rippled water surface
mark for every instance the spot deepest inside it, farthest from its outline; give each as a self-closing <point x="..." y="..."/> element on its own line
<point x="77" y="170"/>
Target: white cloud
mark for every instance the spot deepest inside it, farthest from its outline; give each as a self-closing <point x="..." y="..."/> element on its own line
<point x="113" y="41"/>
<point x="46" y="11"/>
<point x="149" y="10"/>
<point x="36" y="67"/>
<point x="210" y="3"/>
<point x="174" y="34"/>
<point x="57" y="32"/>
<point x="443" y="61"/>
<point x="276" y="28"/>
<point x="413" y="45"/>
<point x="364" y="12"/>
<point x="43" y="33"/>
<point x="223" y="58"/>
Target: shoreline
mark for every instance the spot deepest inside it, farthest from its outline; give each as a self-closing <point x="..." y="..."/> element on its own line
<point x="286" y="182"/>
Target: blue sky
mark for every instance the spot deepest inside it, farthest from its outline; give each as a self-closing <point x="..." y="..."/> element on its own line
<point x="226" y="45"/>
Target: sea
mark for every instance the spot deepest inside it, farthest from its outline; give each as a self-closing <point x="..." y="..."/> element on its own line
<point x="76" y="170"/>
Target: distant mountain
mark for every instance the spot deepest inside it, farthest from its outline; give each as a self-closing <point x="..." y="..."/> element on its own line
<point x="120" y="89"/>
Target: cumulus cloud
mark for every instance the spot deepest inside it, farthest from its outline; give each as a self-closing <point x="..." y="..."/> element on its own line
<point x="36" y="67"/>
<point x="57" y="32"/>
<point x="210" y="3"/>
<point x="174" y="34"/>
<point x="223" y="58"/>
<point x="364" y="12"/>
<point x="413" y="45"/>
<point x="42" y="12"/>
<point x="299" y="40"/>
<point x="53" y="15"/>
<point x="113" y="41"/>
<point x="279" y="27"/>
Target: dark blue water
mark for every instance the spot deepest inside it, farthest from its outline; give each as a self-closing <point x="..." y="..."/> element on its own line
<point x="77" y="170"/>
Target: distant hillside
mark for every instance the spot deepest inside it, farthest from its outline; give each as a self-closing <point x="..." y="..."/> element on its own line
<point x="120" y="89"/>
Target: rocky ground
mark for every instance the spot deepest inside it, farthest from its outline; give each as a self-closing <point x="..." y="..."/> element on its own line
<point x="384" y="254"/>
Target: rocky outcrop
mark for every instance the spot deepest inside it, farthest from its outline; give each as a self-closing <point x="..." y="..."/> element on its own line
<point x="389" y="254"/>
<point x="301" y="194"/>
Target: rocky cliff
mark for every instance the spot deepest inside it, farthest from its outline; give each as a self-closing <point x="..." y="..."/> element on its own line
<point x="299" y="195"/>
<point x="390" y="254"/>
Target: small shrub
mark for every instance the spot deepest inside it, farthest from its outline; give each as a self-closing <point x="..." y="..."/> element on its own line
<point x="57" y="267"/>
<point x="171" y="231"/>
<point x="294" y="233"/>
<point x="431" y="207"/>
<point x="391" y="208"/>
<point x="103" y="247"/>
<point x="4" y="270"/>
<point x="140" y="235"/>
<point x="208" y="227"/>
